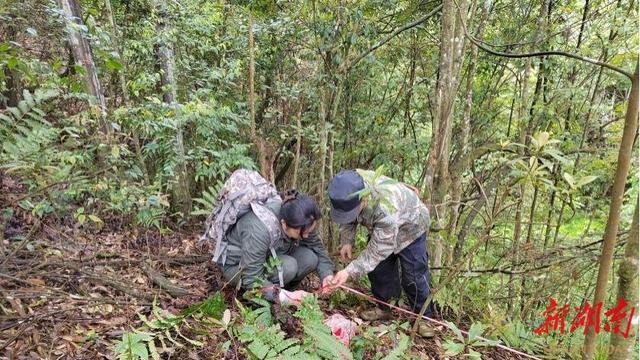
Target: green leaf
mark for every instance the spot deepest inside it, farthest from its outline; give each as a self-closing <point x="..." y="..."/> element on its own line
<point x="152" y="350"/>
<point x="95" y="219"/>
<point x="113" y="64"/>
<point x="585" y="180"/>
<point x="140" y="349"/>
<point x="455" y="330"/>
<point x="474" y="355"/>
<point x="570" y="180"/>
<point x="475" y="331"/>
<point x="6" y="118"/>
<point x="399" y="351"/>
<point x="452" y="348"/>
<point x="190" y="341"/>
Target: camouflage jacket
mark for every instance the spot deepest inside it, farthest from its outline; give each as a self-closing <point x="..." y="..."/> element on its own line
<point x="394" y="216"/>
<point x="249" y="242"/>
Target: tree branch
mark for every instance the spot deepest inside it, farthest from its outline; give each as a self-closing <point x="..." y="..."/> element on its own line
<point x="479" y="44"/>
<point x="395" y="33"/>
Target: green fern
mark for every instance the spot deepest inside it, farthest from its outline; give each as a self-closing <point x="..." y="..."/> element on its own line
<point x="318" y="338"/>
<point x="164" y="328"/>
<point x="26" y="113"/>
<point x="133" y="346"/>
<point x="25" y="132"/>
<point x="399" y="352"/>
<point x="208" y="200"/>
<point x="268" y="343"/>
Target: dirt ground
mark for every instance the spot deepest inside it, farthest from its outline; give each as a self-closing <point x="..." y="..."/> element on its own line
<point x="70" y="294"/>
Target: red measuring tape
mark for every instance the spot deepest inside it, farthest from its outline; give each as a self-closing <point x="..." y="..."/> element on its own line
<point x="414" y="315"/>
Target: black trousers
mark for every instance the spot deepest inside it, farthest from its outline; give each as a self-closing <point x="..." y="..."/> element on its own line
<point x="387" y="281"/>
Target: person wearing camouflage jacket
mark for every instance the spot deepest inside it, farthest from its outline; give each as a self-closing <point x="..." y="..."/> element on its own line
<point x="299" y="248"/>
<point x="397" y="222"/>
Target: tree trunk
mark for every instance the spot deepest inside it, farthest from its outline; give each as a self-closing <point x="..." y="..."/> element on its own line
<point x="116" y="45"/>
<point x="617" y="194"/>
<point x="456" y="178"/>
<point x="12" y="77"/>
<point x="528" y="242"/>
<point x="166" y="59"/>
<point x="437" y="176"/>
<point x="123" y="87"/>
<point x="83" y="56"/>
<point x="620" y="346"/>
<point x="296" y="163"/>
<point x="262" y="147"/>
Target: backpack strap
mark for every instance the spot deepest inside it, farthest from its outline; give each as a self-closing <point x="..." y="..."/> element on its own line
<point x="271" y="222"/>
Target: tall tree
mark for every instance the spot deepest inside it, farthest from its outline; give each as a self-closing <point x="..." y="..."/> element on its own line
<point x="83" y="56"/>
<point x="166" y="59"/>
<point x="463" y="150"/>
<point x="437" y="176"/>
<point x="620" y="346"/>
<point x="617" y="194"/>
<point x="265" y="155"/>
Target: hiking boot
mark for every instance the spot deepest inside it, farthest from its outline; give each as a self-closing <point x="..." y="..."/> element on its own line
<point x="425" y="330"/>
<point x="376" y="314"/>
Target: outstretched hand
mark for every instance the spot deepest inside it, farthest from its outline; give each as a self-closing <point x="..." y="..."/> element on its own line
<point x="292" y="297"/>
<point x="326" y="285"/>
<point x="340" y="278"/>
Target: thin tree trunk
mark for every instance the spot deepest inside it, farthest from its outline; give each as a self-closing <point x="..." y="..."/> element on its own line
<point x="296" y="163"/>
<point x="456" y="176"/>
<point x="617" y="195"/>
<point x="619" y="348"/>
<point x="123" y="87"/>
<point x="168" y="82"/>
<point x="12" y="77"/>
<point x="263" y="150"/>
<point x="528" y="242"/>
<point x="515" y="243"/>
<point x="83" y="56"/>
<point x="116" y="45"/>
<point x="437" y="176"/>
<point x="322" y="128"/>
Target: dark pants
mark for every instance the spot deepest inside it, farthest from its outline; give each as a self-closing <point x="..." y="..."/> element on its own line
<point x="414" y="263"/>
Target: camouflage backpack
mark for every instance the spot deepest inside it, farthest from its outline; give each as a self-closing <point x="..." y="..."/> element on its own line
<point x="244" y="191"/>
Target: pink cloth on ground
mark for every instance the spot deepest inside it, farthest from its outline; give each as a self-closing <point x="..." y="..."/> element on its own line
<point x="341" y="327"/>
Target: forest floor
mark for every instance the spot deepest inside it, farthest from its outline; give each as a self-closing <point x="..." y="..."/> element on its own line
<point x="71" y="294"/>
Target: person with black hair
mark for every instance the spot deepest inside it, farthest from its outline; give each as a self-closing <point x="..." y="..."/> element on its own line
<point x="299" y="249"/>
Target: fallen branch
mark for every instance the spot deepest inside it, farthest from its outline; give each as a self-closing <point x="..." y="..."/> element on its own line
<point x="164" y="283"/>
<point x="105" y="280"/>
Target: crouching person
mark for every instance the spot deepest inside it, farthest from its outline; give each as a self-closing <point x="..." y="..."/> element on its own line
<point x="284" y="229"/>
<point x="397" y="222"/>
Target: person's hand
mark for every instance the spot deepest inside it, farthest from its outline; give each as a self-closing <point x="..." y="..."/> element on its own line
<point x="326" y="285"/>
<point x="345" y="252"/>
<point x="339" y="278"/>
<point x="327" y="281"/>
<point x="292" y="297"/>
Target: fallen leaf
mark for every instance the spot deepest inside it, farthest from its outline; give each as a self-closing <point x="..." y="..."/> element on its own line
<point x="73" y="338"/>
<point x="114" y="321"/>
<point x="36" y="281"/>
<point x="107" y="309"/>
<point x="16" y="304"/>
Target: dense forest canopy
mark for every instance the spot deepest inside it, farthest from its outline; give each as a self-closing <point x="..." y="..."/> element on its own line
<point x="516" y="120"/>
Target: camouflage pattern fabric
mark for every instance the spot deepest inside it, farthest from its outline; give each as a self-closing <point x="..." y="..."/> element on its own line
<point x="394" y="216"/>
<point x="243" y="191"/>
